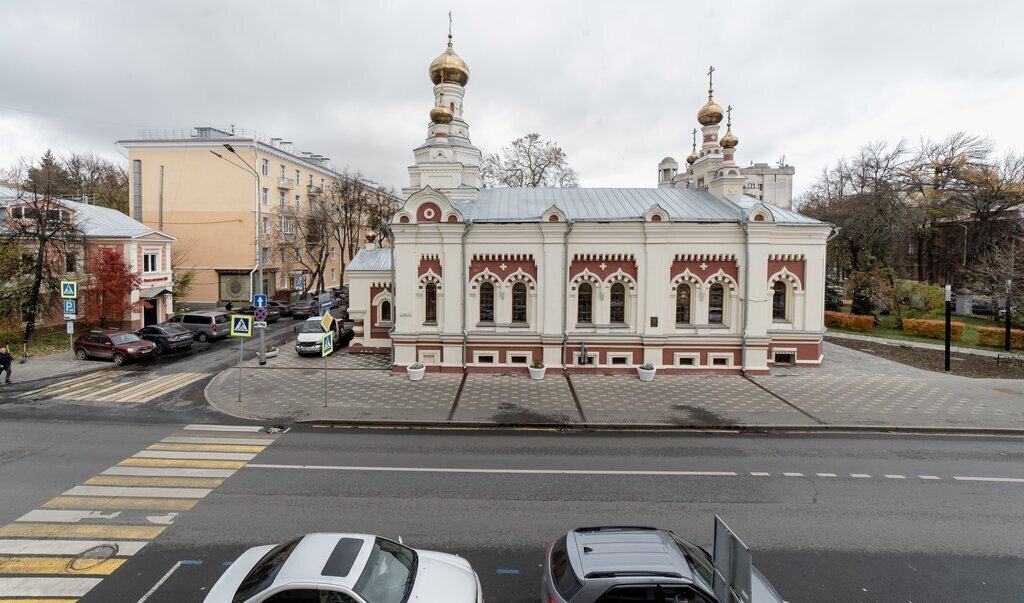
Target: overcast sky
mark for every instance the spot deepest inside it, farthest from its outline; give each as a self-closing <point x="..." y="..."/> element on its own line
<point x="616" y="83"/>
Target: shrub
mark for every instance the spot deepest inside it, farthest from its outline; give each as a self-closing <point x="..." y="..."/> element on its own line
<point x="935" y="329"/>
<point x="537" y="364"/>
<point x="995" y="337"/>
<point x="851" y="322"/>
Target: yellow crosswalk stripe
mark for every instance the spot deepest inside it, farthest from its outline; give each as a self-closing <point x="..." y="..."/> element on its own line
<point x="208" y="447"/>
<point x="173" y="482"/>
<point x="176" y="381"/>
<point x="70" y="383"/>
<point x="145" y="387"/>
<point x="98" y="502"/>
<point x="136" y="462"/>
<point x="58" y="565"/>
<point x="63" y="530"/>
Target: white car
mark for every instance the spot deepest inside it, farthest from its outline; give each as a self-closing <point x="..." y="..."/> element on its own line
<point x="346" y="568"/>
<point x="311" y="335"/>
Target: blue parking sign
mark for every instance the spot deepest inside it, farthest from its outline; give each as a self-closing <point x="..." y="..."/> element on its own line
<point x="69" y="306"/>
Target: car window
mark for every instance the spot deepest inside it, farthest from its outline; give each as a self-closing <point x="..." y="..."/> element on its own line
<point x="656" y="593"/>
<point x="222" y="318"/>
<point x="121" y="338"/>
<point x="175" y="319"/>
<point x="262" y="575"/>
<point x="311" y="326"/>
<point x="196" y="320"/>
<point x="309" y="595"/>
<point x="702" y="568"/>
<point x="96" y="338"/>
<point x="562" y="574"/>
<point x="389" y="573"/>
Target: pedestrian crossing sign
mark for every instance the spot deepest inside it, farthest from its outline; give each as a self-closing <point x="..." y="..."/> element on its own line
<point x="69" y="289"/>
<point x="241" y="325"/>
<point x="327" y="344"/>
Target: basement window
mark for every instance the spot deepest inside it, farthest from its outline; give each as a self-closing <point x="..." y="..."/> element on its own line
<point x="785" y="358"/>
<point x="720" y="361"/>
<point x="519" y="359"/>
<point x="488" y="359"/>
<point x="686" y="361"/>
<point x="621" y="360"/>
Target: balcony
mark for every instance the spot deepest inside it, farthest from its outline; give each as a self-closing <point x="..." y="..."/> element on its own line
<point x="313" y="190"/>
<point x="285" y="183"/>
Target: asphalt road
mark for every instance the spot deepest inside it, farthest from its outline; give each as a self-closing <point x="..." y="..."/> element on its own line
<point x="876" y="531"/>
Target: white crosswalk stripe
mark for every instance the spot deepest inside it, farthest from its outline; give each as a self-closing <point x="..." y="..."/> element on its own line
<point x="46" y="587"/>
<point x="168" y="472"/>
<point x="125" y="548"/>
<point x="116" y="386"/>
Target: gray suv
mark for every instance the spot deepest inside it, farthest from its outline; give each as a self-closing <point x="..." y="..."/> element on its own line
<point x="634" y="564"/>
<point x="205" y="325"/>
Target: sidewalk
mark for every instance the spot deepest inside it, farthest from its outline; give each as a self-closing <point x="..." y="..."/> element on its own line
<point x="61" y="364"/>
<point x="852" y="390"/>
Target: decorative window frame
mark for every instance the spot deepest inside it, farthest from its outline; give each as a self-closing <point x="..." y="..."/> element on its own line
<point x="730" y="300"/>
<point x="627" y="355"/>
<point x="698" y="295"/>
<point x="795" y="300"/>
<point x="431" y="278"/>
<point x="429" y="357"/>
<point x="679" y="355"/>
<point x="576" y="358"/>
<point x="776" y="350"/>
<point x="493" y="353"/>
<point x="727" y="357"/>
<point x="380" y="298"/>
<point x="528" y="354"/>
<point x="485" y="276"/>
<point x="619" y="277"/>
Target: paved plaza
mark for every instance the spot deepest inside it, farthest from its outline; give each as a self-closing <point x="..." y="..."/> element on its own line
<point x="851" y="389"/>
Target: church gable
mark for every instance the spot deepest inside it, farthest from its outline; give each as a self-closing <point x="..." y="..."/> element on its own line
<point x="427" y="206"/>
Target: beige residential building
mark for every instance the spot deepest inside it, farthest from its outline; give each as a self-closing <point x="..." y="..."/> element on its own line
<point x="190" y="184"/>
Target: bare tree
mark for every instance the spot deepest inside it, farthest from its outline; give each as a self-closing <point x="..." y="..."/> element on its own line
<point x="301" y="237"/>
<point x="359" y="207"/>
<point x="529" y="161"/>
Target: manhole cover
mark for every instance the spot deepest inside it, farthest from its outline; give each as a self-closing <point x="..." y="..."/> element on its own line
<point x="93" y="557"/>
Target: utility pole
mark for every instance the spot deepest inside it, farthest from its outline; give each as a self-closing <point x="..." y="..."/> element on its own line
<point x="949" y="311"/>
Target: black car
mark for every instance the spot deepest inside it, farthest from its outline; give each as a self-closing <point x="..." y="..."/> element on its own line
<point x="303" y="310"/>
<point x="272" y="313"/>
<point x="283" y="307"/>
<point x="168" y="337"/>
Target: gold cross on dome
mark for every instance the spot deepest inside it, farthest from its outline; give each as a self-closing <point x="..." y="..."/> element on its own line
<point x="711" y="86"/>
<point x="728" y="112"/>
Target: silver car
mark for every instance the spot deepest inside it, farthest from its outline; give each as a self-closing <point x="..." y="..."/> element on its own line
<point x="206" y="325"/>
<point x="346" y="568"/>
<point x="619" y="564"/>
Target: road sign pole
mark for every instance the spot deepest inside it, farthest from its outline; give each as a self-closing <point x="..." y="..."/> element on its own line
<point x="949" y="308"/>
<point x="241" y="343"/>
<point x="325" y="381"/>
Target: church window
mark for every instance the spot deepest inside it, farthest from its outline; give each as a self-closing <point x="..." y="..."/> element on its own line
<point x="487" y="302"/>
<point x="618" y="304"/>
<point x="385" y="311"/>
<point x="716" y="301"/>
<point x="431" y="303"/>
<point x="585" y="304"/>
<point x="452" y="107"/>
<point x="683" y="304"/>
<point x="779" y="301"/>
<point x="519" y="302"/>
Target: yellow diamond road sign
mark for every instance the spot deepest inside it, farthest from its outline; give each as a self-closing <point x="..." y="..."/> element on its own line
<point x="241" y="325"/>
<point x="325" y="322"/>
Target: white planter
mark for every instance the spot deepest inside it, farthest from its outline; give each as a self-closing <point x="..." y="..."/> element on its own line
<point x="537" y="373"/>
<point x="271" y="353"/>
<point x="415" y="374"/>
<point x="646" y="375"/>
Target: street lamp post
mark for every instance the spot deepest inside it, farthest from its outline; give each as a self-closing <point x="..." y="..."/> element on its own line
<point x="259" y="237"/>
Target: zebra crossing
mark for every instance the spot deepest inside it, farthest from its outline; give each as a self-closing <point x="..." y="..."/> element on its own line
<point x="65" y="548"/>
<point x="115" y="386"/>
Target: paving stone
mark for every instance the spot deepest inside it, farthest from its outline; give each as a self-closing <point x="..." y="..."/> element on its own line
<point x="516" y="399"/>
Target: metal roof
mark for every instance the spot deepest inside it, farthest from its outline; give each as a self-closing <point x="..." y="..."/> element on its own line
<point x="367" y="260"/>
<point x="612" y="204"/>
<point x="93" y="220"/>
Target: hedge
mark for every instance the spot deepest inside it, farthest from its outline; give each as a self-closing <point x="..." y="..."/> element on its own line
<point x="995" y="337"/>
<point x="935" y="329"/>
<point x="852" y="322"/>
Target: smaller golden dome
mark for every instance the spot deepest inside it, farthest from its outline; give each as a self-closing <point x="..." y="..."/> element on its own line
<point x="449" y="67"/>
<point x="441" y="115"/>
<point x="710" y="114"/>
<point x="691" y="157"/>
<point x="729" y="141"/>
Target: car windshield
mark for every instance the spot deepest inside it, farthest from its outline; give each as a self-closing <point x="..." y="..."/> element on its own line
<point x="124" y="338"/>
<point x="389" y="573"/>
<point x="703" y="570"/>
<point x="312" y="326"/>
<point x="263" y="573"/>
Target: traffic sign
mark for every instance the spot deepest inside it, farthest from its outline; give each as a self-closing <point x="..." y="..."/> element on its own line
<point x="241" y="325"/>
<point x="325" y="322"/>
<point x="69" y="306"/>
<point x="259" y="314"/>
<point x="325" y="304"/>
<point x="327" y="344"/>
<point x="259" y="324"/>
<point x="71" y="328"/>
<point x="259" y="300"/>
<point x="69" y="289"/>
<point x="70" y="317"/>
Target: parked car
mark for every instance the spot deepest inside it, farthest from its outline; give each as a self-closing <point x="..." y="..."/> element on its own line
<point x="346" y="568"/>
<point x="303" y="310"/>
<point x="168" y="337"/>
<point x="272" y="313"/>
<point x="119" y="346"/>
<point x="982" y="307"/>
<point x="284" y="308"/>
<point x="311" y="334"/>
<point x="212" y="324"/>
<point x="610" y="564"/>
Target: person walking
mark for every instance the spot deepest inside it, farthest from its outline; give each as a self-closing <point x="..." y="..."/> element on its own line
<point x="229" y="307"/>
<point x="5" y="364"/>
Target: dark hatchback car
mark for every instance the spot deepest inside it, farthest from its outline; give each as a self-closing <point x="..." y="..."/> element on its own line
<point x="303" y="310"/>
<point x="168" y="337"/>
<point x="119" y="346"/>
<point x="284" y="308"/>
<point x="273" y="314"/>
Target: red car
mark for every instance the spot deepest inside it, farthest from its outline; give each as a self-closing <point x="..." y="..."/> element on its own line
<point x="119" y="346"/>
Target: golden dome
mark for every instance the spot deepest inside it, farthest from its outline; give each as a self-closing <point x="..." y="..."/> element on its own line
<point x="449" y="67"/>
<point x="729" y="141"/>
<point x="441" y="115"/>
<point x="691" y="157"/>
<point x="710" y="114"/>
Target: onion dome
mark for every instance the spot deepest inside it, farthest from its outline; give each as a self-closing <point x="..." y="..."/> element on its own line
<point x="449" y="67"/>
<point x="710" y="114"/>
<point x="691" y="158"/>
<point x="441" y="115"/>
<point x="729" y="141"/>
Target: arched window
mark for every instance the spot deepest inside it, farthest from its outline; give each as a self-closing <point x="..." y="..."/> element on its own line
<point x="779" y="301"/>
<point x="618" y="304"/>
<point x="716" y="301"/>
<point x="519" y="302"/>
<point x="385" y="311"/>
<point x="430" y="301"/>
<point x="683" y="304"/>
<point x="486" y="302"/>
<point x="585" y="304"/>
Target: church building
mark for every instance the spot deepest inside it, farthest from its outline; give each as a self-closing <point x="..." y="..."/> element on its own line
<point x="691" y="276"/>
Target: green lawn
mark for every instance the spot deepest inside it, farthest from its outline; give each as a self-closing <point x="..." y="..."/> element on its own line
<point x="888" y="329"/>
<point x="43" y="345"/>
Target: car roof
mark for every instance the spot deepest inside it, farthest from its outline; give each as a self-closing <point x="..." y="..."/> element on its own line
<point x="204" y="313"/>
<point x="306" y="562"/>
<point x="107" y="331"/>
<point x="628" y="550"/>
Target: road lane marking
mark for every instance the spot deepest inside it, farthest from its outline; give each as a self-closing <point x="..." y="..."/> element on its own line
<point x="155" y="390"/>
<point x="124" y="548"/>
<point x="760" y="474"/>
<point x="929" y="477"/>
<point x="174" y="482"/>
<point x="1014" y="480"/>
<point x="151" y="396"/>
<point x="97" y="502"/>
<point x="826" y="474"/>
<point x="206" y="427"/>
<point x="194" y="440"/>
<point x="142" y="492"/>
<point x="56" y="566"/>
<point x="168" y="472"/>
<point x="496" y="471"/>
<point x="65" y="515"/>
<point x="895" y="476"/>
<point x="47" y="587"/>
<point x="125" y="394"/>
<point x="63" y="530"/>
<point x="161" y="581"/>
<point x="206" y="447"/>
<point x="860" y="475"/>
<point x="135" y="462"/>
<point x="793" y="474"/>
<point x="205" y="456"/>
<point x="70" y="383"/>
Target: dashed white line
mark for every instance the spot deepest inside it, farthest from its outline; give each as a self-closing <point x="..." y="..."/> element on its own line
<point x="759" y="474"/>
<point x="928" y="477"/>
<point x="860" y="475"/>
<point x="895" y="476"/>
<point x="1015" y="480"/>
<point x="793" y="474"/>
<point x="826" y="474"/>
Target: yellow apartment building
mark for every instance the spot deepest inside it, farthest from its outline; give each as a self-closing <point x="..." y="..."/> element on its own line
<point x="205" y="186"/>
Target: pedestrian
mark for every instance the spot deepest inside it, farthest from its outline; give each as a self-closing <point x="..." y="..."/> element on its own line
<point x="229" y="307"/>
<point x="5" y="364"/>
